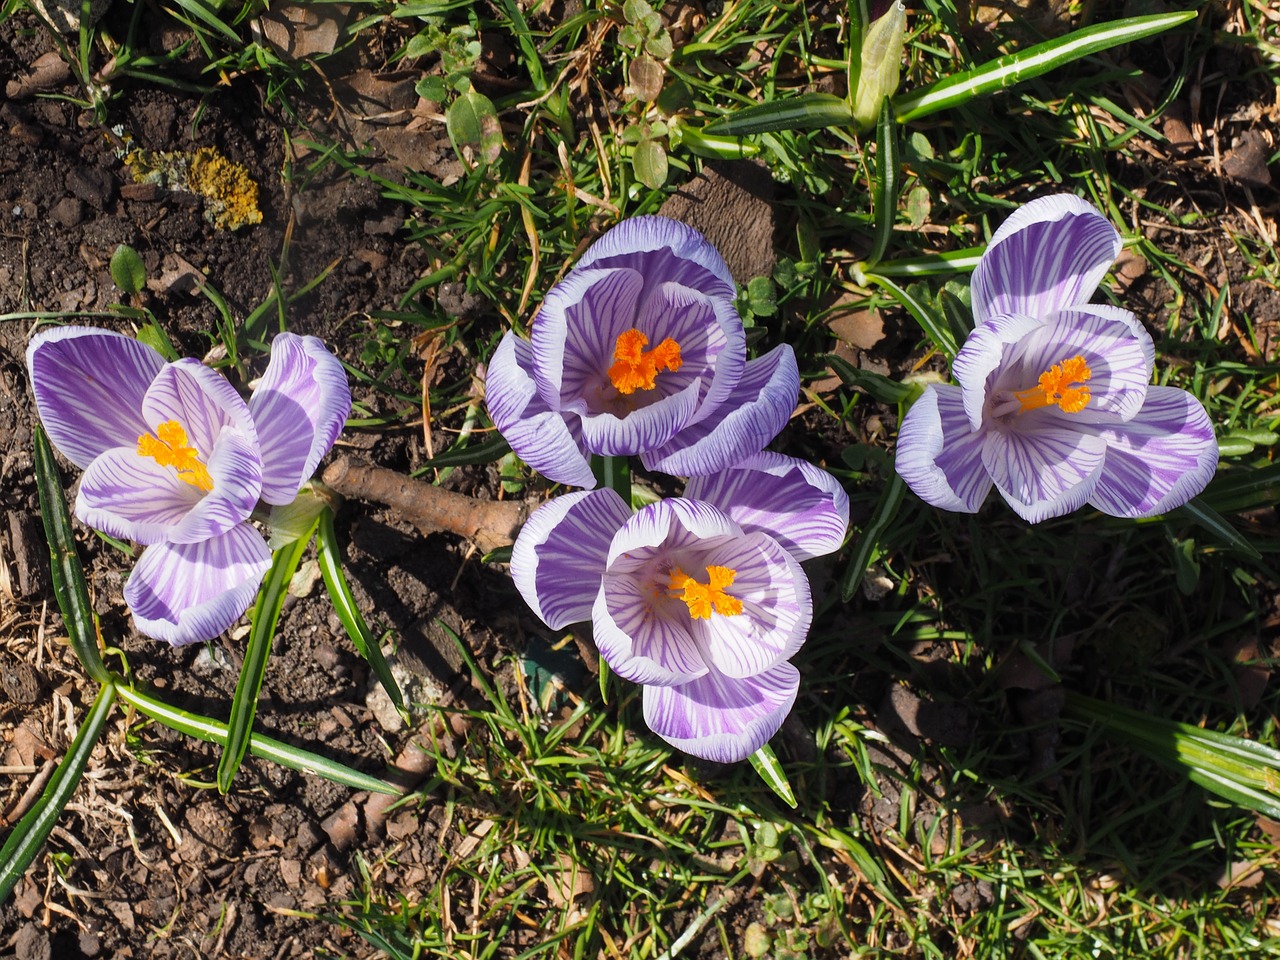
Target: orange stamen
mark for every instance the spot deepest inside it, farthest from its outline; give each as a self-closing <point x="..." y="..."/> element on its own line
<point x="169" y="448"/>
<point x="702" y="597"/>
<point x="1058" y="387"/>
<point x="637" y="369"/>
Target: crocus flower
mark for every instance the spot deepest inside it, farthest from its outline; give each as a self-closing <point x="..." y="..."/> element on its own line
<point x="701" y="599"/>
<point x="639" y="350"/>
<point x="1055" y="405"/>
<point x="173" y="458"/>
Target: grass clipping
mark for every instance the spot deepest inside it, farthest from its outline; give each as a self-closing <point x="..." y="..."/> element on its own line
<point x="230" y="194"/>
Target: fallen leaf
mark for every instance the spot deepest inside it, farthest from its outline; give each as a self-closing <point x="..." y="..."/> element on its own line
<point x="302" y="30"/>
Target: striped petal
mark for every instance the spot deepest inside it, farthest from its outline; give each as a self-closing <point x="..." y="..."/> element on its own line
<point x="183" y="593"/>
<point x="1044" y="470"/>
<point x="540" y="436"/>
<point x="299" y="408"/>
<point x="200" y="399"/>
<point x="643" y="637"/>
<point x="719" y="718"/>
<point x="559" y="556"/>
<point x="1050" y="254"/>
<point x="134" y="498"/>
<point x="1158" y="460"/>
<point x="675" y="524"/>
<point x="576" y="333"/>
<point x="1114" y="345"/>
<point x="978" y="365"/>
<point x="89" y="385"/>
<point x="939" y="454"/>
<point x="755" y="411"/>
<point x="665" y="250"/>
<point x="802" y="507"/>
<point x="776" y="608"/>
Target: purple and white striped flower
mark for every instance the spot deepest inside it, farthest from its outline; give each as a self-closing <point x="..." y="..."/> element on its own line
<point x="174" y="459"/>
<point x="1055" y="405"/>
<point x="700" y="599"/>
<point x="639" y="350"/>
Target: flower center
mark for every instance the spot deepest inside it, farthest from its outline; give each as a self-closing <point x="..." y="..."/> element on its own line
<point x="636" y="368"/>
<point x="169" y="448"/>
<point x="1058" y="387"/>
<point x="702" y="597"/>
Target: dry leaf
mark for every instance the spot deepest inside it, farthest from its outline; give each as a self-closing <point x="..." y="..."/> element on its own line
<point x="302" y="30"/>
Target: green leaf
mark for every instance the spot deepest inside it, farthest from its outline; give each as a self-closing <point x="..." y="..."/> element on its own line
<point x="880" y="65"/>
<point x="69" y="587"/>
<point x="495" y="448"/>
<point x="472" y="123"/>
<point x="33" y="829"/>
<point x="431" y="88"/>
<point x="244" y="704"/>
<point x="702" y="144"/>
<point x="1015" y="67"/>
<point x="344" y="604"/>
<point x="762" y="296"/>
<point x="215" y="731"/>
<point x="128" y="272"/>
<point x="808" y="111"/>
<point x="650" y="163"/>
<point x="888" y="174"/>
<point x="878" y="385"/>
<point x="770" y="770"/>
<point x="938" y="331"/>
<point x="1242" y="771"/>
<point x="884" y="514"/>
<point x="929" y="265"/>
<point x="1206" y="517"/>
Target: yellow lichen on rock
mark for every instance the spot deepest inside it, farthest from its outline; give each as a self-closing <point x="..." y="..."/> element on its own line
<point x="231" y="195"/>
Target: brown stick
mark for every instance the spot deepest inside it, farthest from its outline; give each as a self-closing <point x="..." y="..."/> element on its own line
<point x="489" y="523"/>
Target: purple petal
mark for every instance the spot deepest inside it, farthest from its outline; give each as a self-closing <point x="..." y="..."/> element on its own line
<point x="299" y="408"/>
<point x="978" y="364"/>
<point x="675" y="524"/>
<point x="134" y="498"/>
<point x="183" y="593"/>
<point x="751" y="416"/>
<point x="718" y="718"/>
<point x="541" y="437"/>
<point x="200" y="399"/>
<point x="801" y="506"/>
<point x="713" y="344"/>
<point x="663" y="250"/>
<point x="559" y="556"/>
<point x="1045" y="469"/>
<point x="1118" y="351"/>
<point x="576" y="332"/>
<point x="776" y="608"/>
<point x="89" y="386"/>
<point x="644" y="637"/>
<point x="1158" y="460"/>
<point x="939" y="453"/>
<point x="1050" y="254"/>
<point x="643" y="428"/>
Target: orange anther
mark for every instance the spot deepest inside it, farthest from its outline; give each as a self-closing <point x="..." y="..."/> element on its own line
<point x="635" y="368"/>
<point x="702" y="597"/>
<point x="169" y="448"/>
<point x="1058" y="387"/>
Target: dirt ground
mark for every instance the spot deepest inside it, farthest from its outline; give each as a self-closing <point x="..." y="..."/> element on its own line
<point x="163" y="868"/>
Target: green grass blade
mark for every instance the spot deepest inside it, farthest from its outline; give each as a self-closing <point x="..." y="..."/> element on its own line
<point x="766" y="764"/>
<point x="215" y="731"/>
<point x="938" y="331"/>
<point x="68" y="576"/>
<point x="33" y="829"/>
<point x="614" y="473"/>
<point x="1206" y="517"/>
<point x="1243" y="771"/>
<point x="244" y="704"/>
<point x="886" y="510"/>
<point x="1015" y="67"/>
<point x="930" y="265"/>
<point x="808" y="111"/>
<point x="344" y="604"/>
<point x="487" y="451"/>
<point x="888" y="177"/>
